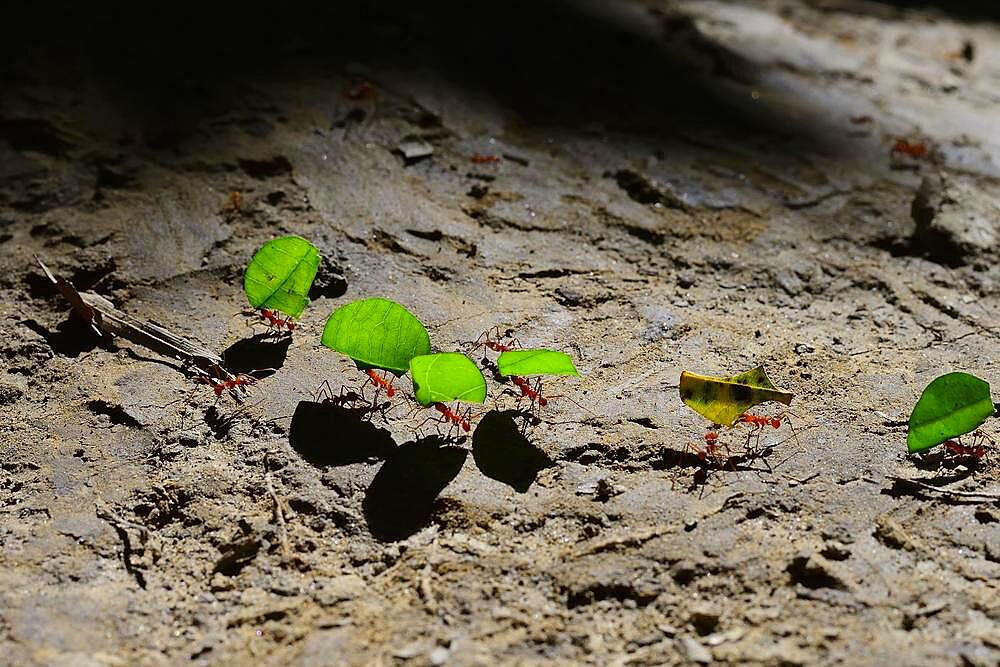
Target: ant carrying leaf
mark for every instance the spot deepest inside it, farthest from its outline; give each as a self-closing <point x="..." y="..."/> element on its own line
<point x="278" y="278"/>
<point x="724" y="400"/>
<point x="439" y="379"/>
<point x="519" y="364"/>
<point x="950" y="406"/>
<point x="377" y="333"/>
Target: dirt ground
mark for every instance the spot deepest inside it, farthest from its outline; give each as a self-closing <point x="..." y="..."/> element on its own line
<point x="697" y="185"/>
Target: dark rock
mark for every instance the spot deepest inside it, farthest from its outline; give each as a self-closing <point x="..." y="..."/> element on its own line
<point x="956" y="222"/>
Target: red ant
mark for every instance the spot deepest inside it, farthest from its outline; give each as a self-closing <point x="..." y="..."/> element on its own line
<point x="361" y="90"/>
<point x="491" y="339"/>
<point x="460" y="420"/>
<point x="479" y="158"/>
<point x="273" y="320"/>
<point x="916" y="149"/>
<point x="380" y="382"/>
<point x="451" y="417"/>
<point x="975" y="452"/>
<point x="712" y="451"/>
<point x="529" y="392"/>
<point x="759" y="422"/>
<point x="534" y="394"/>
<point x="219" y="386"/>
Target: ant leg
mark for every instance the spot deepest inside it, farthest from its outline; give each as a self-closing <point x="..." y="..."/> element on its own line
<point x="785" y="419"/>
<point x="697" y="451"/>
<point x="324" y="392"/>
<point x="493" y="334"/>
<point x="419" y="429"/>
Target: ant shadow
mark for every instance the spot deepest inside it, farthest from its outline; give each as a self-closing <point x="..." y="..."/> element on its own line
<point x="330" y="435"/>
<point x="260" y="351"/>
<point x="902" y="487"/>
<point x="706" y="468"/>
<point x="503" y="452"/>
<point x="401" y="498"/>
<point x="937" y="462"/>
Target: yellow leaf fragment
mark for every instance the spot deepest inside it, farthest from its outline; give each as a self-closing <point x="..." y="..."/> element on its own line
<point x="723" y="400"/>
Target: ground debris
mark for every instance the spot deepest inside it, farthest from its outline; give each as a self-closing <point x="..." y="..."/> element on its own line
<point x="891" y="533"/>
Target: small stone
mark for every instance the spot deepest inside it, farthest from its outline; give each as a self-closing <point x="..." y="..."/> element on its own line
<point x="890" y="533"/>
<point x="188" y="438"/>
<point x="339" y="589"/>
<point x="438" y="656"/>
<point x="409" y="651"/>
<point x="931" y="607"/>
<point x="220" y="582"/>
<point x="788" y="281"/>
<point x="413" y="150"/>
<point x="695" y="652"/>
<point x="667" y="630"/>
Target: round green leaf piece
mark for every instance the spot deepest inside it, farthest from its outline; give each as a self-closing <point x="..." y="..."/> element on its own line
<point x="280" y="274"/>
<point x="535" y="362"/>
<point x="445" y="377"/>
<point x="377" y="333"/>
<point x="950" y="406"/>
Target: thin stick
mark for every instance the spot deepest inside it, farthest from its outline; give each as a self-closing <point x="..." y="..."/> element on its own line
<point x="279" y="514"/>
<point x="931" y="487"/>
<point x="105" y="319"/>
<point x="427" y="590"/>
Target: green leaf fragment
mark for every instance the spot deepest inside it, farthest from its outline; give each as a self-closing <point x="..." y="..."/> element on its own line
<point x="535" y="362"/>
<point x="950" y="406"/>
<point x="723" y="400"/>
<point x="280" y="274"/>
<point x="444" y="377"/>
<point x="377" y="333"/>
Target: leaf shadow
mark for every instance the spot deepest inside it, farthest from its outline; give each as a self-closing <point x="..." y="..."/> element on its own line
<point x="502" y="451"/>
<point x="329" y="435"/>
<point x="401" y="498"/>
<point x="261" y="354"/>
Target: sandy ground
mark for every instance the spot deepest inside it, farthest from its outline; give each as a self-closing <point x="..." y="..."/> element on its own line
<point x="693" y="185"/>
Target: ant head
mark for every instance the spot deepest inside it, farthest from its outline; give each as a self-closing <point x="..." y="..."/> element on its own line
<point x="775" y="422"/>
<point x="441" y="407"/>
<point x="466" y="426"/>
<point x="542" y="401"/>
<point x="390" y="391"/>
